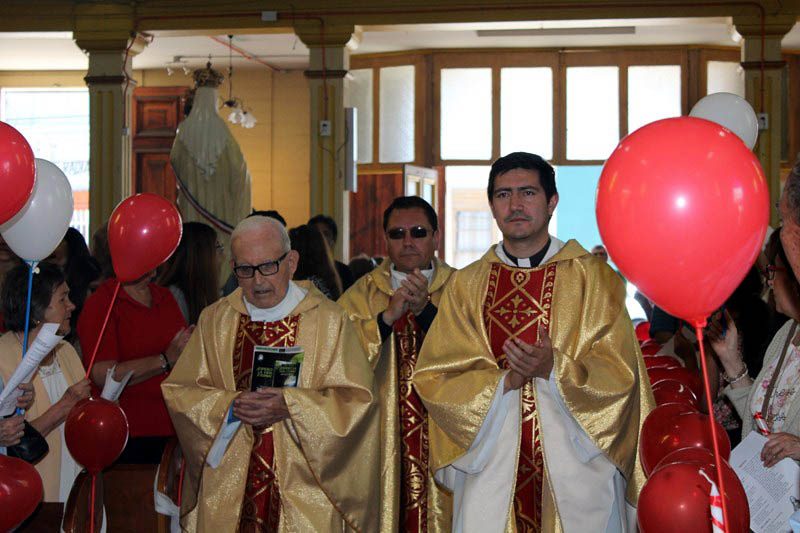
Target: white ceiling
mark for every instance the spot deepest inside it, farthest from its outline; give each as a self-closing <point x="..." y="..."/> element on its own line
<point x="57" y="51"/>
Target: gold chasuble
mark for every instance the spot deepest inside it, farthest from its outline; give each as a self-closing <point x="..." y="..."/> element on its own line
<point x="598" y="371"/>
<point x="411" y="500"/>
<point x="318" y="470"/>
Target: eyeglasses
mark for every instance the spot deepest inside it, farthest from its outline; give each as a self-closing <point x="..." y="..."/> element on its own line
<point x="417" y="232"/>
<point x="269" y="268"/>
<point x="771" y="269"/>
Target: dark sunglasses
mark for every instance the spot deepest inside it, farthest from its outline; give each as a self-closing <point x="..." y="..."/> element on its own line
<point x="265" y="269"/>
<point x="417" y="232"/>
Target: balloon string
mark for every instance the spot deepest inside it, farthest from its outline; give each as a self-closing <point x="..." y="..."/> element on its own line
<point x="710" y="405"/>
<point x="91" y="507"/>
<point x="102" y="331"/>
<point x="31" y="267"/>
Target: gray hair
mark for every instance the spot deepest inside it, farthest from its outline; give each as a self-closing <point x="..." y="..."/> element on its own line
<point x="792" y="192"/>
<point x="257" y="224"/>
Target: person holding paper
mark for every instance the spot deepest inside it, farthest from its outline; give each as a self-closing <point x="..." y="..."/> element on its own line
<point x="145" y="335"/>
<point x="393" y="307"/>
<point x="59" y="382"/>
<point x="773" y="394"/>
<point x="12" y="428"/>
<point x="532" y="376"/>
<point x="274" y="459"/>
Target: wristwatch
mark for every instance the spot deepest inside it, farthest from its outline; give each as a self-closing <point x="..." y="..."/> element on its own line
<point x="165" y="366"/>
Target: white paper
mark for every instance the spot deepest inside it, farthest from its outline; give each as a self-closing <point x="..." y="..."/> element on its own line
<point x="769" y="490"/>
<point x="113" y="389"/>
<point x="220" y="445"/>
<point x="44" y="343"/>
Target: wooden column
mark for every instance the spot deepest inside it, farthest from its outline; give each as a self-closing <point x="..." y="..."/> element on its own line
<point x="110" y="89"/>
<point x="763" y="65"/>
<point x="327" y="69"/>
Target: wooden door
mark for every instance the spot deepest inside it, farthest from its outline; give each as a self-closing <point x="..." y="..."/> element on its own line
<point x="376" y="191"/>
<point x="157" y="111"/>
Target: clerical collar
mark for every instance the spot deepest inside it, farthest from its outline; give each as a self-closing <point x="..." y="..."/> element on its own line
<point x="549" y="250"/>
<point x="294" y="295"/>
<point x="399" y="277"/>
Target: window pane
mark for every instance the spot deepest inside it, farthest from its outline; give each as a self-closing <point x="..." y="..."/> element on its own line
<point x="725" y="77"/>
<point x="654" y="92"/>
<point x="466" y="193"/>
<point x="359" y="95"/>
<point x="56" y="125"/>
<point x="466" y="109"/>
<point x="526" y="111"/>
<point x="473" y="231"/>
<point x="592" y="112"/>
<point x="397" y="115"/>
<point x="577" y="187"/>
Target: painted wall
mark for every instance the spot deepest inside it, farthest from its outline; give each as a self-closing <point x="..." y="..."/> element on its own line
<point x="276" y="149"/>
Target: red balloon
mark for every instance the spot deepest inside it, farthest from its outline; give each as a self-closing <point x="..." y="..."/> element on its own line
<point x="143" y="232"/>
<point x="650" y="348"/>
<point x="671" y="391"/>
<point x="688" y="455"/>
<point x="96" y="432"/>
<point x="687" y="377"/>
<point x="682" y="208"/>
<point x="643" y="331"/>
<point x="664" y="431"/>
<point x="17" y="172"/>
<point x="20" y="491"/>
<point x="676" y="499"/>
<point x="661" y="361"/>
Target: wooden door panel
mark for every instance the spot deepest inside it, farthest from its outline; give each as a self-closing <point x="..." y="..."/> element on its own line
<point x="156" y="175"/>
<point x="157" y="111"/>
<point x="375" y="193"/>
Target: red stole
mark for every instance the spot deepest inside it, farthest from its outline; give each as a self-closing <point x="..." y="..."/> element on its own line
<point x="413" y="429"/>
<point x="517" y="301"/>
<point x="261" y="506"/>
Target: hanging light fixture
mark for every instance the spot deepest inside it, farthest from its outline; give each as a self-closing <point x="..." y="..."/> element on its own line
<point x="239" y="113"/>
<point x="178" y="63"/>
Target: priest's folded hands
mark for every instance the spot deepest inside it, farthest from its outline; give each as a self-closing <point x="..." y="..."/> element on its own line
<point x="528" y="361"/>
<point x="262" y="408"/>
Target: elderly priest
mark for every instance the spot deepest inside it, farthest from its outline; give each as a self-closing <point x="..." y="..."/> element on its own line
<point x="299" y="458"/>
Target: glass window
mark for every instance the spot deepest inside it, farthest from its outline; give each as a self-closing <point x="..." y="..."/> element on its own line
<point x="577" y="186"/>
<point x="396" y="143"/>
<point x="526" y="111"/>
<point x="592" y="112"/>
<point x="359" y="95"/>
<point x="55" y="122"/>
<point x="466" y="113"/>
<point x="654" y="92"/>
<point x="473" y="231"/>
<point x="725" y="77"/>
<point x="466" y="193"/>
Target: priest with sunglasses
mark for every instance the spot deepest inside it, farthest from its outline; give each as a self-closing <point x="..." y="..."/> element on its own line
<point x="532" y="376"/>
<point x="265" y="457"/>
<point x="393" y="307"/>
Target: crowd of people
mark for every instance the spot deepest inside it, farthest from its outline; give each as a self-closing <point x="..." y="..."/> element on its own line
<point x="428" y="399"/>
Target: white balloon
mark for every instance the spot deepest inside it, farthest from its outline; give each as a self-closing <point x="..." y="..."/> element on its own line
<point x="38" y="228"/>
<point x="731" y="111"/>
